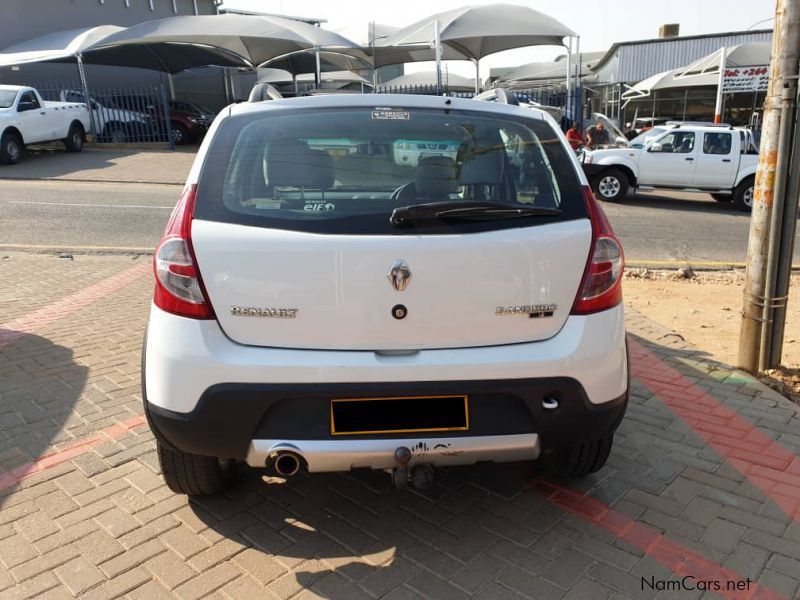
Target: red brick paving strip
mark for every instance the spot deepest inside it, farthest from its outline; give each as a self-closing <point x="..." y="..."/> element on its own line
<point x="675" y="557"/>
<point x="47" y="461"/>
<point x="765" y="463"/>
<point x="34" y="321"/>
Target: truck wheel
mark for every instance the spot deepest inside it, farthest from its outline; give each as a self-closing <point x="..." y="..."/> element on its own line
<point x="75" y="138"/>
<point x="743" y="194"/>
<point x="192" y="474"/>
<point x="116" y="134"/>
<point x="180" y="135"/>
<point x="580" y="459"/>
<point x="10" y="148"/>
<point x="722" y="197"/>
<point x="610" y="185"/>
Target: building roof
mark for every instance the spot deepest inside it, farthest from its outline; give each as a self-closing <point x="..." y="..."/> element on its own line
<point x="634" y="61"/>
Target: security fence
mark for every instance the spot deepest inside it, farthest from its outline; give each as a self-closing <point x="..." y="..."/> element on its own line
<point x="120" y="116"/>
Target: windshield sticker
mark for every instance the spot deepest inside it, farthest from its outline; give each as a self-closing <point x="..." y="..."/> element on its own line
<point x="390" y="114"/>
<point x="319" y="206"/>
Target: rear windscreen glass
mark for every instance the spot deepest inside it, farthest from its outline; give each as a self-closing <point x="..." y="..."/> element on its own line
<point x="345" y="170"/>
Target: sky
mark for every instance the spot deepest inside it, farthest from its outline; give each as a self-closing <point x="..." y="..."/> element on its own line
<point x="600" y="23"/>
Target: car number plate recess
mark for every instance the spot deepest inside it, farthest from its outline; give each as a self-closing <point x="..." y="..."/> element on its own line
<point x="399" y="414"/>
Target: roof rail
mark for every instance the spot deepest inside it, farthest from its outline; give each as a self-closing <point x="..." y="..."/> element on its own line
<point x="698" y="124"/>
<point x="498" y="95"/>
<point x="264" y="91"/>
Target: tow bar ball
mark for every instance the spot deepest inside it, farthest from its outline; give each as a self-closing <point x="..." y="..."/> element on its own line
<point x="421" y="476"/>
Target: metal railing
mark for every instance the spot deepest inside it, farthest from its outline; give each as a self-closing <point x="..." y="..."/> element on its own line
<point x="120" y="116"/>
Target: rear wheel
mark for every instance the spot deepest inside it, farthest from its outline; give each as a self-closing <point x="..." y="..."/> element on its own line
<point x="10" y="148"/>
<point x="192" y="474"/>
<point x="580" y="459"/>
<point x="75" y="138"/>
<point x="180" y="135"/>
<point x="743" y="194"/>
<point x="116" y="134"/>
<point x="610" y="185"/>
<point x="722" y="197"/>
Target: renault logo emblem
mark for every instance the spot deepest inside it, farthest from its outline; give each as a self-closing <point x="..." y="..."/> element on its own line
<point x="399" y="275"/>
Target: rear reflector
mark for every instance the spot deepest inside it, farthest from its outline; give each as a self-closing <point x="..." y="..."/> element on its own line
<point x="179" y="288"/>
<point x="601" y="287"/>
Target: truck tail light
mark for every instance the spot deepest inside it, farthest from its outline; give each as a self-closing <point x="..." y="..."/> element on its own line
<point x="601" y="286"/>
<point x="179" y="288"/>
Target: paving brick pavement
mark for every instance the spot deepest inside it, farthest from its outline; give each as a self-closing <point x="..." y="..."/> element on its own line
<point x="83" y="511"/>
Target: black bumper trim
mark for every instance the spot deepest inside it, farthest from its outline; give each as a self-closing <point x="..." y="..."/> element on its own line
<point x="228" y="416"/>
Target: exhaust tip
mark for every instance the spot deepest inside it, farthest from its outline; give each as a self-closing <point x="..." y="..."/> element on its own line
<point x="287" y="464"/>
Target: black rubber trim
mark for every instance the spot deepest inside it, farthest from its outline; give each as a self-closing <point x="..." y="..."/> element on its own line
<point x="228" y="416"/>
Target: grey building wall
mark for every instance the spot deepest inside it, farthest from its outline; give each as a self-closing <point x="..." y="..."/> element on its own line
<point x="24" y="19"/>
<point x="631" y="62"/>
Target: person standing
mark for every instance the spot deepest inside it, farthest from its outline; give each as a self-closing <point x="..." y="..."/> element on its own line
<point x="575" y="137"/>
<point x="597" y="135"/>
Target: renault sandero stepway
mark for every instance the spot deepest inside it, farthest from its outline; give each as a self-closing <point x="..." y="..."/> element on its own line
<point x="386" y="282"/>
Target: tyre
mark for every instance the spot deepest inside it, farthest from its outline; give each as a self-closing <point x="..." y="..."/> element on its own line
<point x="722" y="197"/>
<point x="75" y="138"/>
<point x="192" y="474"/>
<point x="743" y="194"/>
<point x="115" y="134"/>
<point x="180" y="135"/>
<point x="11" y="148"/>
<point x="580" y="459"/>
<point x="610" y="185"/>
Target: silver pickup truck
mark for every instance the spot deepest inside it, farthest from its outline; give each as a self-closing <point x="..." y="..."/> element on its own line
<point x="27" y="119"/>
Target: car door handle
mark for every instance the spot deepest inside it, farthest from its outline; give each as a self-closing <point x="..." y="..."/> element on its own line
<point x="42" y="113"/>
<point x="726" y="160"/>
<point x="689" y="159"/>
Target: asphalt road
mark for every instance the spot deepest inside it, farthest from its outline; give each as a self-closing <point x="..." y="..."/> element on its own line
<point x="655" y="228"/>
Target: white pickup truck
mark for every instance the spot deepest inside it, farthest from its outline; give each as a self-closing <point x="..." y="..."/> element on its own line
<point x="720" y="160"/>
<point x="27" y="119"/>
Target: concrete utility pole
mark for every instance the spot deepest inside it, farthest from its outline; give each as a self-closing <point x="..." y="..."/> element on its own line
<point x="769" y="196"/>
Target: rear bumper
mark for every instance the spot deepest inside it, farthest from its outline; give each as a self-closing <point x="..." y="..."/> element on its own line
<point x="508" y="421"/>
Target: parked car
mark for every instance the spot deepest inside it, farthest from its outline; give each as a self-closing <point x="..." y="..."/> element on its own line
<point x="114" y="123"/>
<point x="189" y="121"/>
<point x="27" y="119"/>
<point x="720" y="160"/>
<point x="337" y="310"/>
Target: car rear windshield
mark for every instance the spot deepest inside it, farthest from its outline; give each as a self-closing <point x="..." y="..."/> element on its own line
<point x="345" y="170"/>
<point x="7" y="98"/>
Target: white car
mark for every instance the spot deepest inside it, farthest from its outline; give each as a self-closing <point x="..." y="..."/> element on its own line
<point x="327" y="310"/>
<point x="27" y="119"/>
<point x="112" y="123"/>
<point x="720" y="160"/>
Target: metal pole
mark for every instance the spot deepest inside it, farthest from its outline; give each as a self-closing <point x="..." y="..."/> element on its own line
<point x="171" y="86"/>
<point x="85" y="86"/>
<point x="685" y="100"/>
<point x="786" y="250"/>
<point x="437" y="43"/>
<point x="317" y="72"/>
<point x="783" y="73"/>
<point x="569" y="79"/>
<point x="167" y="117"/>
<point x="578" y="101"/>
<point x="477" y="76"/>
<point x="720" y="81"/>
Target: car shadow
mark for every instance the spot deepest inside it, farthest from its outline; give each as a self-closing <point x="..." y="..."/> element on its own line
<point x="688" y="201"/>
<point x="40" y="386"/>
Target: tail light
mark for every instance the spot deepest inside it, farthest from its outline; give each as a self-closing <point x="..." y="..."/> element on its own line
<point x="179" y="288"/>
<point x="601" y="287"/>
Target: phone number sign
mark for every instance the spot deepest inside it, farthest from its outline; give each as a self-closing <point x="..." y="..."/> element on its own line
<point x="745" y="79"/>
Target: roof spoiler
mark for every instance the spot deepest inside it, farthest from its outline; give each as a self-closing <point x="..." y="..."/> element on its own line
<point x="264" y="91"/>
<point x="498" y="95"/>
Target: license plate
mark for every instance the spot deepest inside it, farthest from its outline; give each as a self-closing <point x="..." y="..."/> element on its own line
<point x="399" y="414"/>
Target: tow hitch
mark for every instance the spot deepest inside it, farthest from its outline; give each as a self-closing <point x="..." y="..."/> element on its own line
<point x="421" y="476"/>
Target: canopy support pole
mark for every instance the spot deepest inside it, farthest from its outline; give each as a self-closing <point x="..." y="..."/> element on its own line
<point x="317" y="72"/>
<point x="437" y="48"/>
<point x="477" y="76"/>
<point x="85" y="86"/>
<point x="578" y="100"/>
<point x="569" y="80"/>
<point x="718" y="103"/>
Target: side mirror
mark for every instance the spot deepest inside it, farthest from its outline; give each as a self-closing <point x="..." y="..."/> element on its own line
<point x="25" y="105"/>
<point x="654" y="147"/>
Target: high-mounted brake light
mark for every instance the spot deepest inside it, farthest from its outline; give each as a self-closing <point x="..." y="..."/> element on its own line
<point x="179" y="288"/>
<point x="601" y="286"/>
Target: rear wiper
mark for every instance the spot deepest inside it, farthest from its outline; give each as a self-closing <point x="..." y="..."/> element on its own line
<point x="468" y="210"/>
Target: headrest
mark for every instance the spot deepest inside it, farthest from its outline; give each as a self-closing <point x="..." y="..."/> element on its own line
<point x="484" y="168"/>
<point x="435" y="177"/>
<point x="291" y="163"/>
